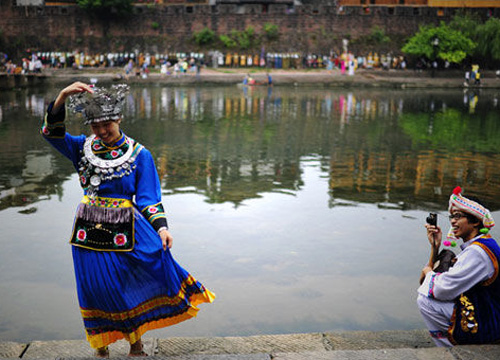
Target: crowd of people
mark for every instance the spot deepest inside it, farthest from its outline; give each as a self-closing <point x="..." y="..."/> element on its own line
<point x="178" y="63"/>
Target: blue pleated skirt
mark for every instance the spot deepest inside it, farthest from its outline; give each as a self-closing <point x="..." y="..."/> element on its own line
<point x="124" y="294"/>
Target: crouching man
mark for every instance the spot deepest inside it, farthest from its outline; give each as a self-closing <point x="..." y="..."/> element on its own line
<point x="462" y="304"/>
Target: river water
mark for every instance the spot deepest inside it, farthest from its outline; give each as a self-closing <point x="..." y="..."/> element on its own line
<point x="302" y="208"/>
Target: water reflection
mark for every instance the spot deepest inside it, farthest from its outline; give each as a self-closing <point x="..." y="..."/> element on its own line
<point x="29" y="171"/>
<point x="231" y="144"/>
<point x="276" y="197"/>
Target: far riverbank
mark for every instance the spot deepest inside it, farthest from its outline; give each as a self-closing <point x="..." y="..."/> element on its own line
<point x="401" y="79"/>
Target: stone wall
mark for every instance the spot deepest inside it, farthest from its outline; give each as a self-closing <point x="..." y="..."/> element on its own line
<point x="309" y="28"/>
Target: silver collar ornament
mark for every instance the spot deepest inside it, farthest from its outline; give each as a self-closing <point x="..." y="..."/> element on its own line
<point x="94" y="170"/>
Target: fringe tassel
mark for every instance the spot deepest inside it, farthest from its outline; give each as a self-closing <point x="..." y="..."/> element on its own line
<point x="105" y="215"/>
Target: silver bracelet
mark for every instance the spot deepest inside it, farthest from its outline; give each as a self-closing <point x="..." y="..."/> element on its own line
<point x="161" y="229"/>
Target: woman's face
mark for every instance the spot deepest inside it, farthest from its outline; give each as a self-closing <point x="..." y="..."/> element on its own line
<point x="108" y="131"/>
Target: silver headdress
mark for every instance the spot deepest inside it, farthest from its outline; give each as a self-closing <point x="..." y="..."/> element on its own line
<point x="102" y="105"/>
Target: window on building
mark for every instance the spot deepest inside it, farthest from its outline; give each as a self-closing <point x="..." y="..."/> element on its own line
<point x="189" y="9"/>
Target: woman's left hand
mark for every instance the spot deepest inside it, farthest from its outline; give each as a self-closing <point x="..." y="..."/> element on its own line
<point x="166" y="239"/>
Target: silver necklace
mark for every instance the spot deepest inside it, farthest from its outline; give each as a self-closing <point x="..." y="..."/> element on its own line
<point x="94" y="170"/>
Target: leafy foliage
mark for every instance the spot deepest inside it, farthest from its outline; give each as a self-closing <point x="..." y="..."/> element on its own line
<point x="204" y="37"/>
<point x="466" y="23"/>
<point x="228" y="42"/>
<point x="242" y="39"/>
<point x="451" y="45"/>
<point x="106" y="7"/>
<point x="271" y="31"/>
<point x="488" y="39"/>
<point x="378" y="36"/>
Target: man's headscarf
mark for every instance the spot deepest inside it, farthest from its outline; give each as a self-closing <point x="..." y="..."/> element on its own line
<point x="459" y="202"/>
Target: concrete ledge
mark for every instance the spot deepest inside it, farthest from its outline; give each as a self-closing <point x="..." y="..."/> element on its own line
<point x="389" y="354"/>
<point x="476" y="352"/>
<point x="353" y="345"/>
<point x="78" y="349"/>
<point x="12" y="349"/>
<point x="241" y="345"/>
<point x="362" y="340"/>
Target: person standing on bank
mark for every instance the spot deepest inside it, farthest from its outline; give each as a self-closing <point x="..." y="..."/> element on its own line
<point x="127" y="280"/>
<point x="462" y="305"/>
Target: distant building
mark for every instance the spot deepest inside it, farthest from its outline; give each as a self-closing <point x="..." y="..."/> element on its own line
<point x="30" y="2"/>
<point x="465" y="3"/>
<point x="381" y="2"/>
<point x="430" y="3"/>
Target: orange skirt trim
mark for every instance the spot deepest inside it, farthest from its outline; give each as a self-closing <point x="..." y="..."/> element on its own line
<point x="143" y="308"/>
<point x="104" y="339"/>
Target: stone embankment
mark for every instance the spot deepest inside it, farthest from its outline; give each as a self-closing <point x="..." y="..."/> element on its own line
<point x="399" y="79"/>
<point x="387" y="345"/>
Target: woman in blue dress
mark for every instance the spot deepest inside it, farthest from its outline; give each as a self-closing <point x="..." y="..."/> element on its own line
<point x="127" y="281"/>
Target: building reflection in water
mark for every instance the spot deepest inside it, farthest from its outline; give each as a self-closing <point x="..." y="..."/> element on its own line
<point x="406" y="148"/>
<point x="229" y="144"/>
<point x="30" y="171"/>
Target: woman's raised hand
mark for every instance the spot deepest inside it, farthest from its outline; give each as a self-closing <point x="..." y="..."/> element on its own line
<point x="75" y="88"/>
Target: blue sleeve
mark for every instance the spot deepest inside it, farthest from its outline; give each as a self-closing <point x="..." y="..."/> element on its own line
<point x="148" y="191"/>
<point x="54" y="131"/>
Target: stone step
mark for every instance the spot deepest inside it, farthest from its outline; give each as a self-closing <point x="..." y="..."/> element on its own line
<point x="407" y="345"/>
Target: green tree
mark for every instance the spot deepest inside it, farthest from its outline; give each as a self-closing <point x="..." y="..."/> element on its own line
<point x="204" y="37"/>
<point x="488" y="39"/>
<point x="228" y="42"/>
<point x="242" y="39"/>
<point x="271" y="31"/>
<point x="440" y="42"/>
<point x="466" y="23"/>
<point x="106" y="7"/>
<point x="378" y="36"/>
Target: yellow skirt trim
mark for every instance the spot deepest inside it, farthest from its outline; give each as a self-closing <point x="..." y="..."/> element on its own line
<point x="148" y="305"/>
<point x="104" y="339"/>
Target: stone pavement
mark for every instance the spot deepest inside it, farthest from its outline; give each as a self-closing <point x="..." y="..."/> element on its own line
<point x="353" y="345"/>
